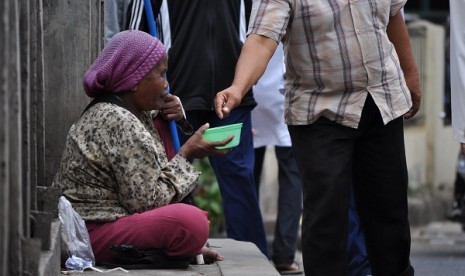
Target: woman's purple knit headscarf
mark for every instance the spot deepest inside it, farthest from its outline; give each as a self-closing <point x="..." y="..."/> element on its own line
<point x="127" y="58"/>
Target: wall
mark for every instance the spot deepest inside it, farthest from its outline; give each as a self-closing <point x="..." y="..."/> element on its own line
<point x="45" y="46"/>
<point x="71" y="36"/>
<point x="431" y="151"/>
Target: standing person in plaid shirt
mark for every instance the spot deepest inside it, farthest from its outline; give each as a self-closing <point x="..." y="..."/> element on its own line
<point x="351" y="80"/>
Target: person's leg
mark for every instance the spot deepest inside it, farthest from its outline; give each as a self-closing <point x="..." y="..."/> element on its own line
<point x="356" y="248"/>
<point x="456" y="213"/>
<point x="289" y="207"/>
<point x="324" y="153"/>
<point x="179" y="229"/>
<point x="380" y="186"/>
<point x="459" y="186"/>
<point x="257" y="172"/>
<point x="289" y="210"/>
<point x="235" y="175"/>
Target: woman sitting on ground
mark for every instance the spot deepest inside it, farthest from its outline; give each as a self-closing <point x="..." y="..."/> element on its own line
<point x="114" y="168"/>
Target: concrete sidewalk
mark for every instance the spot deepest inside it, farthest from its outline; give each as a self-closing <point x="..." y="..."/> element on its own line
<point x="240" y="258"/>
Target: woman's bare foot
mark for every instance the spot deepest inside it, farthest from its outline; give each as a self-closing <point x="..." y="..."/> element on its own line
<point x="210" y="255"/>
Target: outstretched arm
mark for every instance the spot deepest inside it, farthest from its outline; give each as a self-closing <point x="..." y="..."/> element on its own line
<point x="255" y="55"/>
<point x="398" y="34"/>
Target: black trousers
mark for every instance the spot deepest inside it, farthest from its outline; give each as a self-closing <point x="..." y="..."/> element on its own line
<point x="331" y="157"/>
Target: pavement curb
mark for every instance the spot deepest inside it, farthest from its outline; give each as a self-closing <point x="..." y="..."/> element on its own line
<point x="240" y="258"/>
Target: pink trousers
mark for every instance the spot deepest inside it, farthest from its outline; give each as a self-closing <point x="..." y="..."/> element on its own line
<point x="179" y="229"/>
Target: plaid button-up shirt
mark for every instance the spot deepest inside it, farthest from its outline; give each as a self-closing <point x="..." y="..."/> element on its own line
<point x="337" y="51"/>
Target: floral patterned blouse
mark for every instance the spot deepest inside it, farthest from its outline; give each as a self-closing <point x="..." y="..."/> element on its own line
<point x="114" y="165"/>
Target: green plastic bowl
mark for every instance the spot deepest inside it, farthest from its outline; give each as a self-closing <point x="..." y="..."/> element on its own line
<point x="216" y="134"/>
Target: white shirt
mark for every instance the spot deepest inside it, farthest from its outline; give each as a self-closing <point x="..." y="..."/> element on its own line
<point x="457" y="67"/>
<point x="268" y="117"/>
